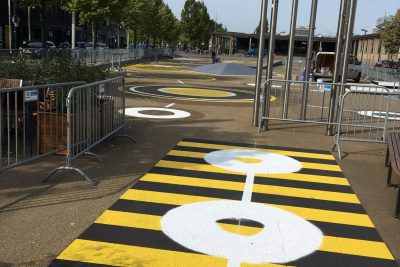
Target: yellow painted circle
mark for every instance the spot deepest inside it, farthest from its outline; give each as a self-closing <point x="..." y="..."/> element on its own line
<point x="197" y="92"/>
<point x="249" y="160"/>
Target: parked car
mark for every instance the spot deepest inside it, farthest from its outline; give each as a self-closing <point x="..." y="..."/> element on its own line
<point x="80" y="45"/>
<point x="253" y="52"/>
<point x="36" y="49"/>
<point x="64" y="45"/>
<point x="89" y="45"/>
<point x="386" y="64"/>
<point x="324" y="64"/>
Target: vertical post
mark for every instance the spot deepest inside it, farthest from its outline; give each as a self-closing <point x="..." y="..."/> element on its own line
<point x="73" y="30"/>
<point x="9" y="27"/>
<point x="289" y="64"/>
<point x="349" y="37"/>
<point x="250" y="42"/>
<point x="29" y="24"/>
<point x="230" y="46"/>
<point x="127" y="39"/>
<point x="15" y="25"/>
<point x="338" y="55"/>
<point x="310" y="45"/>
<point x="270" y="67"/>
<point x="263" y="22"/>
<point x="272" y="34"/>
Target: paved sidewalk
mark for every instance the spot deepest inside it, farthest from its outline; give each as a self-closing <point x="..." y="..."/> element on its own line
<point x="38" y="221"/>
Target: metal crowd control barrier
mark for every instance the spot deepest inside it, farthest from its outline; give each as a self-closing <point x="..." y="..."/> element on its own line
<point x="381" y="74"/>
<point x="297" y="101"/>
<point x="365" y="115"/>
<point x="32" y="122"/>
<point x="95" y="112"/>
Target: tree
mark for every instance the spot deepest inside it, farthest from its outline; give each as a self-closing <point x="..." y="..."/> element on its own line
<point x="257" y="30"/>
<point x="136" y="9"/>
<point x="195" y="22"/>
<point x="217" y="27"/>
<point x="93" y="12"/>
<point x="169" y="25"/>
<point x="44" y="6"/>
<point x="391" y="35"/>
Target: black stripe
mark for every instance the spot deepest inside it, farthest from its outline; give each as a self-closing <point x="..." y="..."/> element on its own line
<point x="258" y="180"/>
<point x="242" y="222"/>
<point x="263" y="198"/>
<point x="329" y="259"/>
<point x="257" y="146"/>
<point x="208" y="150"/>
<point x="329" y="229"/>
<point x="158" y="240"/>
<point x="132" y="237"/>
<point x="65" y="263"/>
<point x="302" y="171"/>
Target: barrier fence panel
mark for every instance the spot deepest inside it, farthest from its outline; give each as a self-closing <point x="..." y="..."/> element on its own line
<point x="297" y="101"/>
<point x="95" y="112"/>
<point x="87" y="56"/>
<point x="365" y="115"/>
<point x="33" y="122"/>
<point x="381" y="74"/>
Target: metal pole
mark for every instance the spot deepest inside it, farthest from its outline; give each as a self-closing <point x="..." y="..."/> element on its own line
<point x="274" y="18"/>
<point x="338" y="55"/>
<point x="263" y="22"/>
<point x="270" y="67"/>
<point x="9" y="26"/>
<point x="73" y="30"/>
<point x="15" y="26"/>
<point x="289" y="64"/>
<point x="29" y="24"/>
<point x="349" y="38"/>
<point x="310" y="45"/>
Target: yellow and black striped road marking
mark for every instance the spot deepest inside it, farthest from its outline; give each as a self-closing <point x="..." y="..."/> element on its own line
<point x="129" y="232"/>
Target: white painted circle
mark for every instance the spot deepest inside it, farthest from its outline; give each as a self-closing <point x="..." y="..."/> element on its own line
<point x="269" y="163"/>
<point x="392" y="116"/>
<point x="176" y="114"/>
<point x="285" y="237"/>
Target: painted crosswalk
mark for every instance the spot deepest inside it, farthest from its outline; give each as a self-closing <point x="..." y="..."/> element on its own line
<point x="314" y="206"/>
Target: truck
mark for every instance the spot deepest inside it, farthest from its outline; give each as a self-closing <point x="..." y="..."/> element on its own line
<point x="324" y="64"/>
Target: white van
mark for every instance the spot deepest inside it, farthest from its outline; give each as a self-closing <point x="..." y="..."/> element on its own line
<point x="325" y="65"/>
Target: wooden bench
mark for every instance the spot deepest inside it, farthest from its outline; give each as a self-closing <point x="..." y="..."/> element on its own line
<point x="10" y="83"/>
<point x="393" y="162"/>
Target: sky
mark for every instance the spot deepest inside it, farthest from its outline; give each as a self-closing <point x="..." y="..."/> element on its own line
<point x="243" y="16"/>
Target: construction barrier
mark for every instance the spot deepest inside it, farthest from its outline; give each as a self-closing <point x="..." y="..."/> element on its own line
<point x="32" y="122"/>
<point x="366" y="114"/>
<point x="297" y="101"/>
<point x="94" y="113"/>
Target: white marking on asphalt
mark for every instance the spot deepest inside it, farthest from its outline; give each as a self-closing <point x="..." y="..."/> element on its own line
<point x="170" y="105"/>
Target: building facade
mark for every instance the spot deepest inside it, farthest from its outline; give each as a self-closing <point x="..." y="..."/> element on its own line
<point x="58" y="27"/>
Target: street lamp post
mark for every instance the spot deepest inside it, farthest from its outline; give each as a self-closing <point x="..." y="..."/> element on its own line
<point x="362" y="47"/>
<point x="380" y="42"/>
<point x="9" y="27"/>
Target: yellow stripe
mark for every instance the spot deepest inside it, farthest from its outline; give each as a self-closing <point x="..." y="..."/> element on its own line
<point x="283" y="152"/>
<point x="306" y="213"/>
<point x="356" y="247"/>
<point x="257" y="188"/>
<point x="124" y="255"/>
<point x="330" y="244"/>
<point x="286" y="176"/>
<point x="308" y="165"/>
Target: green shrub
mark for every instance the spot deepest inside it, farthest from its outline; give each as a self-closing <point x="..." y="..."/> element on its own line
<point x="56" y="70"/>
